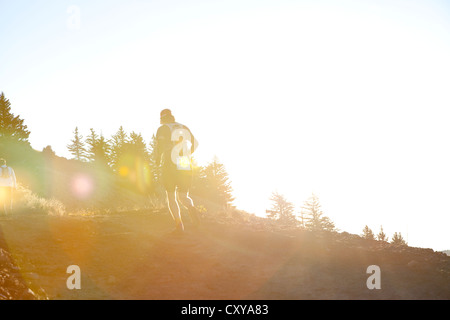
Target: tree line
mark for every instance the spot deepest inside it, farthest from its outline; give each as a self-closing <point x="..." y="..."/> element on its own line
<point x="311" y="217"/>
<point x="128" y="155"/>
<point x="397" y="237"/>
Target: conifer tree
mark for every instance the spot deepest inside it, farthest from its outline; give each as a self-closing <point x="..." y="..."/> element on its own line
<point x="282" y="210"/>
<point x="315" y="219"/>
<point x="77" y="147"/>
<point x="381" y="236"/>
<point x="368" y="234"/>
<point x="397" y="239"/>
<point x="102" y="151"/>
<point x="97" y="148"/>
<point x="155" y="170"/>
<point x="12" y="128"/>
<point x="117" y="150"/>
<point x="91" y="143"/>
<point x="216" y="183"/>
<point x="138" y="147"/>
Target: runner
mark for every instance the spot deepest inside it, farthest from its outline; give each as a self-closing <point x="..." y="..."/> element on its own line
<point x="175" y="145"/>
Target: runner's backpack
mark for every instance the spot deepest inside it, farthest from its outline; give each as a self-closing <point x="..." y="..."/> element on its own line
<point x="5" y="173"/>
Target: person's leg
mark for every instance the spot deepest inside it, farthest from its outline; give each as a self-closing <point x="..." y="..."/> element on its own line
<point x="189" y="204"/>
<point x="184" y="184"/>
<point x="185" y="199"/>
<point x="168" y="179"/>
<point x="174" y="210"/>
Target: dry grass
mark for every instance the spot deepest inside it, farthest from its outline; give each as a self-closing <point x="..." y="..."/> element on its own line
<point x="26" y="200"/>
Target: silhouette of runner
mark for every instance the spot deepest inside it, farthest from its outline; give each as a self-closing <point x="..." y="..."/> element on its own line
<point x="175" y="144"/>
<point x="7" y="186"/>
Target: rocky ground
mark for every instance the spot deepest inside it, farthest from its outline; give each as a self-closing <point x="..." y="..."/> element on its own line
<point x="134" y="256"/>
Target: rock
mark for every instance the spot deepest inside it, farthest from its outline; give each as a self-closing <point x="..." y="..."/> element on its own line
<point x="31" y="292"/>
<point x="12" y="284"/>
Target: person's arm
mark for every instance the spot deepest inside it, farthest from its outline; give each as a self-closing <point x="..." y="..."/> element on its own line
<point x="161" y="137"/>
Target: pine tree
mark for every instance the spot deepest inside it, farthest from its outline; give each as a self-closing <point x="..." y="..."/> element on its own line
<point x="138" y="147"/>
<point x="154" y="165"/>
<point x="91" y="144"/>
<point x="368" y="234"/>
<point x="199" y="187"/>
<point x="282" y="210"/>
<point x="216" y="181"/>
<point x="397" y="239"/>
<point x="77" y="147"/>
<point x="315" y="219"/>
<point x="381" y="236"/>
<point x="103" y="149"/>
<point x="97" y="149"/>
<point x="137" y="151"/>
<point x="12" y="128"/>
<point x="133" y="151"/>
<point x="117" y="142"/>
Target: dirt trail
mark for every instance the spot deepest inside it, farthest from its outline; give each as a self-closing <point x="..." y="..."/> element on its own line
<point x="133" y="256"/>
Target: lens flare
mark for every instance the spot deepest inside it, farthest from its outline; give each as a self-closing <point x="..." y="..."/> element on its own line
<point x="124" y="171"/>
<point x="82" y="186"/>
<point x="184" y="163"/>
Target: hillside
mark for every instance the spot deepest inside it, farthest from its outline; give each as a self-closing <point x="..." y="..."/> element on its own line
<point x="133" y="256"/>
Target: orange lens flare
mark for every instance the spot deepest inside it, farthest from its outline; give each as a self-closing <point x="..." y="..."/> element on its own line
<point x="124" y="171"/>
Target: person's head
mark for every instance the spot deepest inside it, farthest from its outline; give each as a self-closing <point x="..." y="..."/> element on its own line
<point x="166" y="116"/>
<point x="2" y="162"/>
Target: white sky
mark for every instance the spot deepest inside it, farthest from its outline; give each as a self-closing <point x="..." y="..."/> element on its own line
<point x="347" y="99"/>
